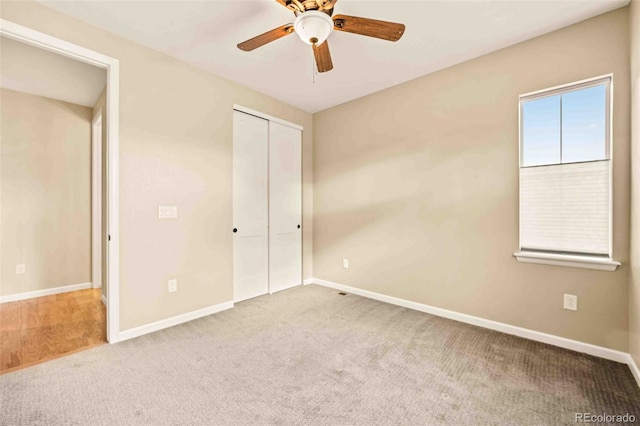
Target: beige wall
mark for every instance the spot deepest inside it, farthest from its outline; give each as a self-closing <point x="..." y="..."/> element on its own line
<point x="45" y="192"/>
<point x="634" y="271"/>
<point x="417" y="186"/>
<point x="101" y="107"/>
<point x="176" y="149"/>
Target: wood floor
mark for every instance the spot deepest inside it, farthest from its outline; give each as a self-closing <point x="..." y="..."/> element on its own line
<point x="44" y="328"/>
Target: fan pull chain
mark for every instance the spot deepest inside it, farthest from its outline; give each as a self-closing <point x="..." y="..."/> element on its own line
<point x="313" y="69"/>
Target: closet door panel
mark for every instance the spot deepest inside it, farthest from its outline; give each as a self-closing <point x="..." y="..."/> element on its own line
<point x="250" y="206"/>
<point x="285" y="207"/>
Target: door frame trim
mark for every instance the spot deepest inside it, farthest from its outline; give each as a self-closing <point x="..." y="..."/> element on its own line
<point x="112" y="65"/>
<point x="250" y="111"/>
<point x="96" y="200"/>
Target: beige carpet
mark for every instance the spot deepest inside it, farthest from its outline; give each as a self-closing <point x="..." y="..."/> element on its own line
<point x="311" y="356"/>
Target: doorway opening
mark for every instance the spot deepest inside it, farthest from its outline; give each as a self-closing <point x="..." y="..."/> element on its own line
<point x="64" y="248"/>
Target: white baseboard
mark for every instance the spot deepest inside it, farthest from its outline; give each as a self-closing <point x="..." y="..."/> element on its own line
<point x="104" y="300"/>
<point x="307" y="281"/>
<point x="634" y="368"/>
<point x="45" y="292"/>
<point x="170" y="322"/>
<point x="550" y="339"/>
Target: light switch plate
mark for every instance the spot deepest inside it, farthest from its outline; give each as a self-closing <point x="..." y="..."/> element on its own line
<point x="167" y="212"/>
<point x="172" y="286"/>
<point x="345" y="263"/>
<point x="21" y="268"/>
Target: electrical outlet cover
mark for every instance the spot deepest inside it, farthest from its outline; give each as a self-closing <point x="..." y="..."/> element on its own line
<point x="571" y="302"/>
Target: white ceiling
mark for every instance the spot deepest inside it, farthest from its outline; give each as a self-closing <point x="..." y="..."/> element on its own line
<point x="28" y="69"/>
<point x="438" y="34"/>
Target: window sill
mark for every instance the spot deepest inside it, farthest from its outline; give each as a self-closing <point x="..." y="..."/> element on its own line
<point x="571" y="261"/>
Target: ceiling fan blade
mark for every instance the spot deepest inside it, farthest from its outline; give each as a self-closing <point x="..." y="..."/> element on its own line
<point x="323" y="57"/>
<point x="369" y="27"/>
<point x="268" y="37"/>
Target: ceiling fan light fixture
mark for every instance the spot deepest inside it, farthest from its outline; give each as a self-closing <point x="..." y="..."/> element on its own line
<point x="313" y="27"/>
<point x="314" y="23"/>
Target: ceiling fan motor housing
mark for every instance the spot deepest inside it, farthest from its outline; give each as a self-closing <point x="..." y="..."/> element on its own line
<point x="313" y="27"/>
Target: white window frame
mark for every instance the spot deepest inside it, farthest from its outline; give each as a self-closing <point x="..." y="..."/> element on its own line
<point x="561" y="259"/>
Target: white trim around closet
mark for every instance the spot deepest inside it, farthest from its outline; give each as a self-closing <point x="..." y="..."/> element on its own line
<point x="266" y="116"/>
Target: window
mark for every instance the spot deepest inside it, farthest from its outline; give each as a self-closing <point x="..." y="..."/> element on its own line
<point x="565" y="176"/>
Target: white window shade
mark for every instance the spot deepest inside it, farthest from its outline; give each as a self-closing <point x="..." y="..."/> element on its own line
<point x="565" y="207"/>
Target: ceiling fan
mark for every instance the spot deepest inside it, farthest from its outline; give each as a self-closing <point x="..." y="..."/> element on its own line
<point x="313" y="24"/>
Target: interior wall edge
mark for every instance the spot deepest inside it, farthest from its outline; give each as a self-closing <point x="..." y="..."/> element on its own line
<point x="634" y="269"/>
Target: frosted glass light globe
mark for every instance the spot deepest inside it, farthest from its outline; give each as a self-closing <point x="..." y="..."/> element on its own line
<point x="313" y="27"/>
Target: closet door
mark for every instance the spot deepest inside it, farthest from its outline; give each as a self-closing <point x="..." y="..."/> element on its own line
<point x="285" y="207"/>
<point x="250" y="206"/>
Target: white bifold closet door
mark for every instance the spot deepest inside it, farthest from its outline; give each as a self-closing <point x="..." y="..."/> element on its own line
<point x="285" y="207"/>
<point x="267" y="206"/>
<point x="250" y="206"/>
